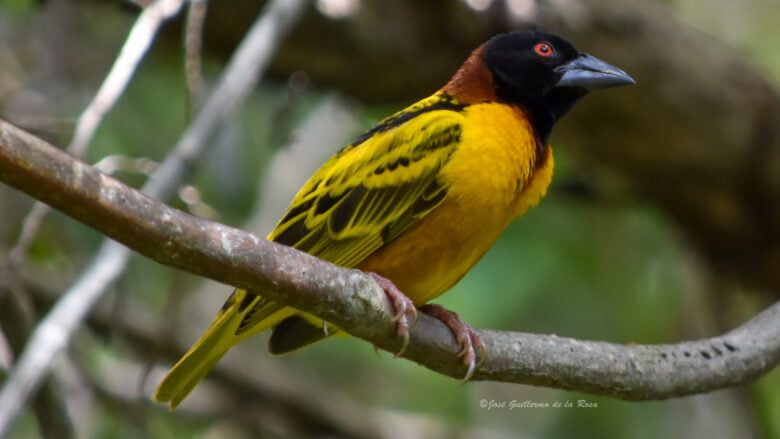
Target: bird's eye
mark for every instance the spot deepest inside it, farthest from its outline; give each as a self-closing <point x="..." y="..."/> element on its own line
<point x="544" y="49"/>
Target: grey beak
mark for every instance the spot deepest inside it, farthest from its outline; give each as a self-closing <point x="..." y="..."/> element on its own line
<point x="591" y="73"/>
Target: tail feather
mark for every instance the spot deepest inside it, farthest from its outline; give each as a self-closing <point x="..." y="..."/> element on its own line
<point x="296" y="332"/>
<point x="221" y="335"/>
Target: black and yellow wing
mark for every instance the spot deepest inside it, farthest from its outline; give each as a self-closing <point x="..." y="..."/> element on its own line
<point x="364" y="197"/>
<point x="376" y="188"/>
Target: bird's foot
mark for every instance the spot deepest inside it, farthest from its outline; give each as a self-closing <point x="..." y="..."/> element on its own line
<point x="473" y="351"/>
<point x="405" y="311"/>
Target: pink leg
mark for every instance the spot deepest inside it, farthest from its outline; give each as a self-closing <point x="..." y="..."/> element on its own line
<point x="405" y="311"/>
<point x="473" y="347"/>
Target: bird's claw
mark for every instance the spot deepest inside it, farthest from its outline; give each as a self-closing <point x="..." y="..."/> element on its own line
<point x="405" y="312"/>
<point x="473" y="351"/>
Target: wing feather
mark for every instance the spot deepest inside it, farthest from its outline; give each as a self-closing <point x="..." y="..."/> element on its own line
<point x="373" y="190"/>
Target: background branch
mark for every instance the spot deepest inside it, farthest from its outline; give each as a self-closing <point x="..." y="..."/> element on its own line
<point x="54" y="332"/>
<point x="193" y="40"/>
<point x="138" y="42"/>
<point x="354" y="302"/>
<point x="18" y="318"/>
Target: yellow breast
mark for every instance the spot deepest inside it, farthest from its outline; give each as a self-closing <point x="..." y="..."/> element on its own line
<point x="494" y="176"/>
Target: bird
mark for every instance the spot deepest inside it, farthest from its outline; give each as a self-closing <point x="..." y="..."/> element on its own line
<point x="419" y="198"/>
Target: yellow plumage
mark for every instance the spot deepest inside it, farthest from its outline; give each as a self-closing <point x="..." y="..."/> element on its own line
<point x="491" y="178"/>
<point x="418" y="199"/>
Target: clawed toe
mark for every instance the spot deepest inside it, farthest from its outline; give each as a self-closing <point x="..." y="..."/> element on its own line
<point x="405" y="311"/>
<point x="473" y="350"/>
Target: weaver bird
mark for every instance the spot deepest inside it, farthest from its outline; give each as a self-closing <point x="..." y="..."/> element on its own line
<point x="418" y="199"/>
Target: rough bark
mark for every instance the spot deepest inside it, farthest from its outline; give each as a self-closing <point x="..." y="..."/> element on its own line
<point x="353" y="301"/>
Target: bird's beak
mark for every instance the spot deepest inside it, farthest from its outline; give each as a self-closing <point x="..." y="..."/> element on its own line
<point x="591" y="73"/>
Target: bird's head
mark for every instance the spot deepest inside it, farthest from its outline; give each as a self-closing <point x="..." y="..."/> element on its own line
<point x="540" y="72"/>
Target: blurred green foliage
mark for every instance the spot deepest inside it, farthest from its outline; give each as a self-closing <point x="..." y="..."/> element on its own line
<point x="18" y="8"/>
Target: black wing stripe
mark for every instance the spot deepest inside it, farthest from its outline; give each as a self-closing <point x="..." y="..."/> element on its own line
<point x="433" y="195"/>
<point x="326" y="202"/>
<point x="343" y="220"/>
<point x="314" y="238"/>
<point x="343" y="213"/>
<point x="293" y="233"/>
<point x="447" y="103"/>
<point x="297" y="210"/>
<point x="441" y="139"/>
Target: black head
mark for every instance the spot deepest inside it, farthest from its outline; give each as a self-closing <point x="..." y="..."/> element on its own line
<point x="545" y="74"/>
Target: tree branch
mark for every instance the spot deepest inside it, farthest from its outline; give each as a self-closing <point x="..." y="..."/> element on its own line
<point x="353" y="301"/>
<point x="50" y="412"/>
<point x="54" y="332"/>
<point x="138" y="42"/>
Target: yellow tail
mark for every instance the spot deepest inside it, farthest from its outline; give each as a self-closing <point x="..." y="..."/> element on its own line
<point x="242" y="316"/>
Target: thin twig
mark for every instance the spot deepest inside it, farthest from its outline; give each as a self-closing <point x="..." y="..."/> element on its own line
<point x="111" y="164"/>
<point x="242" y="73"/>
<point x="54" y="332"/>
<point x="138" y="41"/>
<point x="49" y="412"/>
<point x="193" y="41"/>
<point x="353" y="301"/>
<point x="17" y="316"/>
<point x="326" y="128"/>
<point x="292" y="394"/>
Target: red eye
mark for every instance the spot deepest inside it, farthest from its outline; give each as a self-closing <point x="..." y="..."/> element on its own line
<point x="544" y="49"/>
